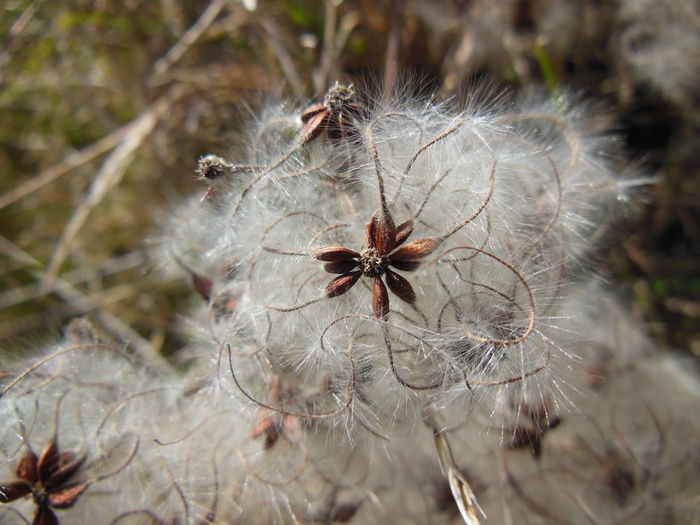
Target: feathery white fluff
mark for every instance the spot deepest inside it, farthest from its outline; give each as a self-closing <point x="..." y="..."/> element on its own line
<point x="394" y="316"/>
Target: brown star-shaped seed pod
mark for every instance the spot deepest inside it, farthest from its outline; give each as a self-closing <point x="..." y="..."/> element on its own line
<point x="48" y="479"/>
<point x="530" y="431"/>
<point x="381" y="254"/>
<point x="273" y="424"/>
<point x="335" y="115"/>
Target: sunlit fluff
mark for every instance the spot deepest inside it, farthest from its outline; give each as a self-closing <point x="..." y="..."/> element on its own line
<point x="411" y="259"/>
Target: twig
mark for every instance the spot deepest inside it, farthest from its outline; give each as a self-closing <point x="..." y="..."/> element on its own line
<point x="283" y="57"/>
<point x="84" y="303"/>
<point x="328" y="51"/>
<point x="392" y="50"/>
<point x="109" y="175"/>
<point x="20" y="294"/>
<point x="15" y="30"/>
<point x="73" y="161"/>
<point x="190" y="37"/>
<point x="333" y="41"/>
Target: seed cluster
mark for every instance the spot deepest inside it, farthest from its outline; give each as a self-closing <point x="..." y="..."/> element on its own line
<point x="445" y="395"/>
<point x="496" y="207"/>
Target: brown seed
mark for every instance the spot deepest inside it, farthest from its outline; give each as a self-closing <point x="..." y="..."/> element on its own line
<point x="203" y="286"/>
<point x="400" y="287"/>
<point x="621" y="481"/>
<point x="385" y="236"/>
<point x="313" y="111"/>
<point x="334" y="253"/>
<point x="403" y="231"/>
<point x="342" y="284"/>
<point x="522" y="437"/>
<point x="343" y="513"/>
<point x="341" y="266"/>
<point x="66" y="498"/>
<point x="371" y="233"/>
<point x="405" y="266"/>
<point x="380" y="299"/>
<point x="45" y="516"/>
<point x="64" y="473"/>
<point x="13" y="490"/>
<point x="415" y="250"/>
<point x="313" y="127"/>
<point x="263" y="424"/>
<point x="48" y="461"/>
<point x="27" y="467"/>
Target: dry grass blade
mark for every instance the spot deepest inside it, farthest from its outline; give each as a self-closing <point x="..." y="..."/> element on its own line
<point x="462" y="493"/>
<point x="190" y="37"/>
<point x="109" y="175"/>
<point x="81" y="275"/>
<point x="76" y="159"/>
<point x="323" y="73"/>
<point x="283" y="57"/>
<point x="82" y="303"/>
<point x="391" y="63"/>
<point x="333" y="42"/>
<point x="16" y="29"/>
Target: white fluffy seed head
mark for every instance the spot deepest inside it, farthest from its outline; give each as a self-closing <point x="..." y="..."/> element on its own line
<point x="508" y="200"/>
<point x="457" y="237"/>
<point x="97" y="405"/>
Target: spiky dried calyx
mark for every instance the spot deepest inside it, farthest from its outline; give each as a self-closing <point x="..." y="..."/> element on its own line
<point x="336" y="115"/>
<point x="49" y="480"/>
<point x="382" y="238"/>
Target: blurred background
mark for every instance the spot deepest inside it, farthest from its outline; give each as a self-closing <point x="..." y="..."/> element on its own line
<point x="106" y="105"/>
